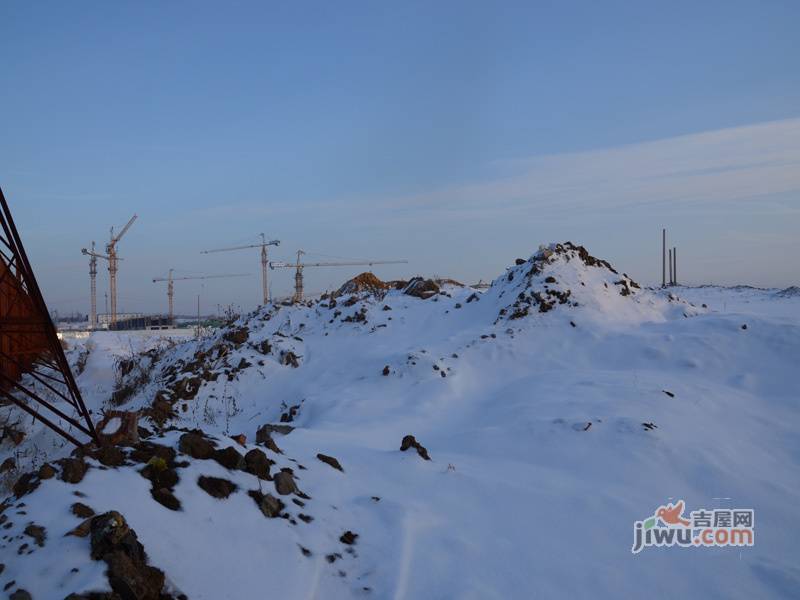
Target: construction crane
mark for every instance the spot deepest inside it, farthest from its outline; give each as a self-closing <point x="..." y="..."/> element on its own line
<point x="298" y="266"/>
<point x="171" y="286"/>
<point x="263" y="245"/>
<point x="112" y="258"/>
<point x="93" y="284"/>
<point x="93" y="281"/>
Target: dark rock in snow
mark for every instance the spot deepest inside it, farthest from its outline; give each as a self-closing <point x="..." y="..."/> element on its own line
<point x="348" y="537"/>
<point x="166" y="498"/>
<point x="386" y="370"/>
<point x="37" y="532"/>
<point x="284" y="483"/>
<point x="264" y="438"/>
<point x="110" y="456"/>
<point x="81" y="510"/>
<point x="329" y="460"/>
<point x="237" y="336"/>
<point x="229" y="458"/>
<point x="267" y="503"/>
<point x="257" y="463"/>
<point x="129" y="575"/>
<point x="410" y="442"/>
<point x="216" y="486"/>
<point x="196" y="446"/>
<point x="46" y="471"/>
<point x="72" y="469"/>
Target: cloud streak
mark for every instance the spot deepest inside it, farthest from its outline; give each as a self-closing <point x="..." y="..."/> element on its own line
<point x="729" y="165"/>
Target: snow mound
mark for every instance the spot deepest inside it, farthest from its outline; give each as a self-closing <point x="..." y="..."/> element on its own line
<point x="566" y="276"/>
<point x="789" y="292"/>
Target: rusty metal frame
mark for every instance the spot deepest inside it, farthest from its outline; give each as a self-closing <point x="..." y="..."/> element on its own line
<point x="52" y="358"/>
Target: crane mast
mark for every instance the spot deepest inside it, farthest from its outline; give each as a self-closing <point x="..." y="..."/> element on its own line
<point x="264" y="260"/>
<point x="93" y="290"/>
<point x="111" y="250"/>
<point x="171" y="285"/>
<point x="298" y="267"/>
<point x="93" y="281"/>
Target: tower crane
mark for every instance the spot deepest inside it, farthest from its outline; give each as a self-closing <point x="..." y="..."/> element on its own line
<point x="263" y="245"/>
<point x="93" y="285"/>
<point x="112" y="258"/>
<point x="93" y="281"/>
<point x="298" y="266"/>
<point x="171" y="285"/>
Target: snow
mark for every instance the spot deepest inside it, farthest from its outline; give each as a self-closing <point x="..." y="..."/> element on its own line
<point x="520" y="499"/>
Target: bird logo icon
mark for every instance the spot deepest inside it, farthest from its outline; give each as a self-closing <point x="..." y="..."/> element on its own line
<point x="671" y="514"/>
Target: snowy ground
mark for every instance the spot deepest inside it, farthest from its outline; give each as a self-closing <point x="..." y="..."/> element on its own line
<point x="540" y="460"/>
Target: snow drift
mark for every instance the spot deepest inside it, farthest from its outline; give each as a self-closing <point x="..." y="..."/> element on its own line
<point x="548" y="413"/>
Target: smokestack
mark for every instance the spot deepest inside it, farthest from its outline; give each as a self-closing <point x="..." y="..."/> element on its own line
<point x="670" y="266"/>
<point x="663" y="258"/>
<point x="675" y="266"/>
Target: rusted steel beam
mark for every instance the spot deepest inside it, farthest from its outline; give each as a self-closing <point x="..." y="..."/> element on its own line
<point x="28" y="339"/>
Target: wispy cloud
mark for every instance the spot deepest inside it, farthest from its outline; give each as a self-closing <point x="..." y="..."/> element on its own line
<point x="728" y="165"/>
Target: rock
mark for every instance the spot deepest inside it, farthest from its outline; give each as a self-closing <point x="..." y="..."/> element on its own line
<point x="237" y="336"/>
<point x="348" y="537"/>
<point x="744" y="326"/>
<point x="8" y="465"/>
<point x="20" y="594"/>
<point x="240" y="439"/>
<point x="187" y="388"/>
<point x="72" y="469"/>
<point x="81" y="510"/>
<point x="520" y="261"/>
<point x="421" y="288"/>
<point x="166" y="498"/>
<point x="365" y="282"/>
<point x="284" y="483"/>
<point x="217" y="487"/>
<point x="37" y="532"/>
<point x="329" y="460"/>
<point x="196" y="446"/>
<point x="46" y="471"/>
<point x="257" y="463"/>
<point x="25" y="484"/>
<point x="282" y="429"/>
<point x="229" y="458"/>
<point x="289" y="358"/>
<point x="110" y="531"/>
<point x="386" y="370"/>
<point x="81" y="530"/>
<point x="267" y="503"/>
<point x="410" y="442"/>
<point x="263" y="437"/>
<point x="110" y="456"/>
<point x="124" y="430"/>
<point x="128" y="573"/>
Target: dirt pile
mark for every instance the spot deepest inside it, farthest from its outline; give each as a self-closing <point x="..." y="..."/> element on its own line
<point x="365" y="283"/>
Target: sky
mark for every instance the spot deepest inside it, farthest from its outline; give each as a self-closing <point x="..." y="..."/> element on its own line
<point x="455" y="135"/>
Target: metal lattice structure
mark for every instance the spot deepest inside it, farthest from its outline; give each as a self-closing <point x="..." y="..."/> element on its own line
<point x="31" y="356"/>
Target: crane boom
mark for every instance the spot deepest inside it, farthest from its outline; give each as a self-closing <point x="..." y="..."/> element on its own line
<point x="157" y="279"/>
<point x="95" y="254"/>
<point x="298" y="266"/>
<point x="263" y="245"/>
<point x="269" y="243"/>
<point x="118" y="237"/>
<point x="278" y="264"/>
<point x="171" y="285"/>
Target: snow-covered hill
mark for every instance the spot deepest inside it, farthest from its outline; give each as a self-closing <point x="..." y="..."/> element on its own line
<point x="557" y="407"/>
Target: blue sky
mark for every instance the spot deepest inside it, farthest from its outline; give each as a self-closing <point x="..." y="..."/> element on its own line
<point x="457" y="135"/>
